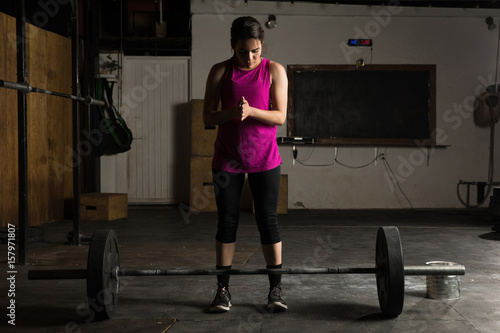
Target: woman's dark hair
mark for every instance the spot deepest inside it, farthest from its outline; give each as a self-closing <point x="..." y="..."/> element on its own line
<point x="246" y="27"/>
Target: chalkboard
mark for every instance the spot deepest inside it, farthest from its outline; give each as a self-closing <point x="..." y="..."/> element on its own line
<point x="370" y="105"/>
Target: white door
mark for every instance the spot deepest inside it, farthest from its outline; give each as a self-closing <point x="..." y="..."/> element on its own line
<point x="155" y="105"/>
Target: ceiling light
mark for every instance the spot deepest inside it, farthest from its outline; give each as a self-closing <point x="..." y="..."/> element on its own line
<point x="271" y="22"/>
<point x="491" y="24"/>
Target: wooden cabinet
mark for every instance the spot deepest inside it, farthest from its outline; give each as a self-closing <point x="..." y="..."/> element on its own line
<point x="202" y="197"/>
<point x="202" y="139"/>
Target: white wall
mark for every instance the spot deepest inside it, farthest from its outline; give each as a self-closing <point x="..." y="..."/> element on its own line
<point x="457" y="41"/>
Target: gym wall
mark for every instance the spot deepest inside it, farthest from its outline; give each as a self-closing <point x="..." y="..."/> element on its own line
<point x="48" y="57"/>
<point x="456" y="41"/>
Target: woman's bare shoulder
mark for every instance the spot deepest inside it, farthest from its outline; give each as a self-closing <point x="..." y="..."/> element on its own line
<point x="219" y="68"/>
<point x="275" y="66"/>
<point x="276" y="69"/>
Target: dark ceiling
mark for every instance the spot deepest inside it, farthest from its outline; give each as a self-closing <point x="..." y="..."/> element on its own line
<point x="132" y="25"/>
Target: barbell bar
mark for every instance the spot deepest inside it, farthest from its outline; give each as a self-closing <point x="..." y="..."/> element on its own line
<point x="408" y="270"/>
<point x="26" y="88"/>
<point x="81" y="273"/>
<point x="104" y="271"/>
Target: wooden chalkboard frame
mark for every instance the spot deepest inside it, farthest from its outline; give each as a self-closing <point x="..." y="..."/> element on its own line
<point x="429" y="142"/>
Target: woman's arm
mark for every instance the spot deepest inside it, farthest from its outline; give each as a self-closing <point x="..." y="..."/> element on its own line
<point x="279" y="97"/>
<point x="212" y="116"/>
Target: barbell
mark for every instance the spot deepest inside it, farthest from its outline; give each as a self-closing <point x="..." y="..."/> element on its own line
<point x="26" y="88"/>
<point x="104" y="271"/>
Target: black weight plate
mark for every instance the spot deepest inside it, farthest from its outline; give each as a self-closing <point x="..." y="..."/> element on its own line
<point x="390" y="271"/>
<point x="496" y="191"/>
<point x="102" y="274"/>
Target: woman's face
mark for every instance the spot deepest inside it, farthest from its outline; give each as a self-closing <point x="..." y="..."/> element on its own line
<point x="248" y="53"/>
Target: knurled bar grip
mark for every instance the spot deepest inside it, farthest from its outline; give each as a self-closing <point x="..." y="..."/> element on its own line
<point x="46" y="274"/>
<point x="26" y="88"/>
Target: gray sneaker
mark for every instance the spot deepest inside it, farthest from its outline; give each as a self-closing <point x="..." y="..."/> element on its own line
<point x="222" y="300"/>
<point x="275" y="301"/>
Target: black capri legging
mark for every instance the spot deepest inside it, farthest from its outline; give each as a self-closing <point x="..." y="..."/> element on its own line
<point x="265" y="190"/>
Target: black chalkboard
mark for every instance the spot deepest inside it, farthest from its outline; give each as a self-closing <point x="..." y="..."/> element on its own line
<point x="367" y="105"/>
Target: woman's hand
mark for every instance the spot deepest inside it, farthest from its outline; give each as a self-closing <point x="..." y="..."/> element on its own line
<point x="244" y="108"/>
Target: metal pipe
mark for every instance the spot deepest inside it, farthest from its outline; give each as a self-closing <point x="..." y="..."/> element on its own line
<point x="45" y="274"/>
<point x="435" y="270"/>
<point x="26" y="88"/>
<point x="22" y="132"/>
<point x="57" y="274"/>
<point x="75" y="75"/>
<point x="91" y="167"/>
<point x="22" y="87"/>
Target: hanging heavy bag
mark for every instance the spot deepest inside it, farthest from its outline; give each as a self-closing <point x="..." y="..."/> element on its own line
<point x="487" y="109"/>
<point x="116" y="136"/>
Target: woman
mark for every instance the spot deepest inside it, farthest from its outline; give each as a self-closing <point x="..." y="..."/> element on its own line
<point x="253" y="94"/>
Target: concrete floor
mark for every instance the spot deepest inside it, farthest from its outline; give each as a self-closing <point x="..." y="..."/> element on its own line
<point x="162" y="236"/>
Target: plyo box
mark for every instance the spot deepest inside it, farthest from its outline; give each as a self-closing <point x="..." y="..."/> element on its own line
<point x="103" y="206"/>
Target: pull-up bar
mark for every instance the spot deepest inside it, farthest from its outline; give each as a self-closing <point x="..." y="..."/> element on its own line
<point x="26" y="88"/>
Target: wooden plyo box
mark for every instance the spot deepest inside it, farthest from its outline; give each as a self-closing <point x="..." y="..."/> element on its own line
<point x="202" y="198"/>
<point x="202" y="138"/>
<point x="103" y="206"/>
<point x="283" y="196"/>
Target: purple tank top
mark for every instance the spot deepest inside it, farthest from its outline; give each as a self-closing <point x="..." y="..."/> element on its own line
<point x="249" y="145"/>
